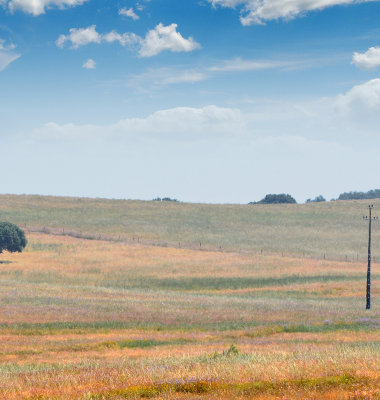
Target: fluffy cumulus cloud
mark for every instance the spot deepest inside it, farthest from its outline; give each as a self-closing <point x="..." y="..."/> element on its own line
<point x="7" y="56"/>
<point x="165" y="38"/>
<point x="129" y="13"/>
<point x="37" y="7"/>
<point x="259" y="11"/>
<point x="182" y="124"/>
<point x="157" y="40"/>
<point x="80" y="37"/>
<point x="126" y="39"/>
<point x="368" y="60"/>
<point x="89" y="64"/>
<point x="361" y="99"/>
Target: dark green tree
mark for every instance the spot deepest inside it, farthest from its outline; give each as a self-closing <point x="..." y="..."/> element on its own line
<point x="12" y="238"/>
<point x="276" y="199"/>
<point x="371" y="194"/>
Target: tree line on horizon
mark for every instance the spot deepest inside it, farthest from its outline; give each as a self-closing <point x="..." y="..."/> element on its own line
<point x="288" y="199"/>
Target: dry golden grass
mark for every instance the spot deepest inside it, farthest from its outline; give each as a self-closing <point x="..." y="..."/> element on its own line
<point x="84" y="319"/>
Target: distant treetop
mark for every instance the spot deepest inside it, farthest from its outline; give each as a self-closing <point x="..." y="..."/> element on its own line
<point x="276" y="199"/>
<point x="164" y="199"/>
<point x="318" y="199"/>
<point x="371" y="194"/>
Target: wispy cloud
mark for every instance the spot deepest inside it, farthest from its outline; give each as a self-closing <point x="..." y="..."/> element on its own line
<point x="155" y="78"/>
<point x="251" y="65"/>
<point x="7" y="56"/>
<point x="6" y="47"/>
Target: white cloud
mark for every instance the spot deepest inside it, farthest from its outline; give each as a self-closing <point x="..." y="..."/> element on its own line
<point x="368" y="60"/>
<point x="252" y="65"/>
<point x="6" y="58"/>
<point x="182" y="124"/>
<point x="166" y="38"/>
<point x="6" y="54"/>
<point x="89" y="64"/>
<point x="184" y="77"/>
<point x="159" y="39"/>
<point x="9" y="47"/>
<point x="361" y="99"/>
<point x="164" y="76"/>
<point x="129" y="13"/>
<point x="80" y="37"/>
<point x="126" y="39"/>
<point x="259" y="11"/>
<point x="37" y="7"/>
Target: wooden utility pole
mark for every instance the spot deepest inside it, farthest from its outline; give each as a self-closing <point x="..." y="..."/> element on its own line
<point x="368" y="295"/>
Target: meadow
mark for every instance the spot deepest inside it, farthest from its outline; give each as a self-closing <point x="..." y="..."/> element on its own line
<point x="116" y="319"/>
<point x="334" y="229"/>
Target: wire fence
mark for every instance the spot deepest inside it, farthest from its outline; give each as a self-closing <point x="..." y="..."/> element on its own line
<point x="137" y="240"/>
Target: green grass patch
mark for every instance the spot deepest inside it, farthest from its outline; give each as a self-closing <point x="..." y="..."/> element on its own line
<point x="125" y="344"/>
<point x="222" y="283"/>
<point x="49" y="247"/>
<point x="315" y="328"/>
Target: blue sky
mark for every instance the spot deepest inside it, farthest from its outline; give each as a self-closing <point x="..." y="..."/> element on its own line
<point x="219" y="101"/>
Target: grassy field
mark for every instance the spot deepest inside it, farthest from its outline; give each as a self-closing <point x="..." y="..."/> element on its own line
<point x="333" y="229"/>
<point x="92" y="319"/>
<point x="84" y="319"/>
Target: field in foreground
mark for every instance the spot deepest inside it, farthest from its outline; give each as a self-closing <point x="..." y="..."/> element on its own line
<point x="82" y="319"/>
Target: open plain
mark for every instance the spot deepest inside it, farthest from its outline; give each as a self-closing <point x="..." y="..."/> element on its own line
<point x="116" y="318"/>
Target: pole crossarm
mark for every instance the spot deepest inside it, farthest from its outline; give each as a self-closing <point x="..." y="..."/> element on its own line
<point x="369" y="219"/>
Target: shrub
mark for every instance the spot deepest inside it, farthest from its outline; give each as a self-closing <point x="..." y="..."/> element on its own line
<point x="318" y="199"/>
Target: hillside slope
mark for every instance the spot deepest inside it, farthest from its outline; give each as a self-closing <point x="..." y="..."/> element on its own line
<point x="332" y="228"/>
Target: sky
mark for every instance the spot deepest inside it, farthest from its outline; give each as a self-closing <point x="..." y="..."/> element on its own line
<point x="207" y="101"/>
